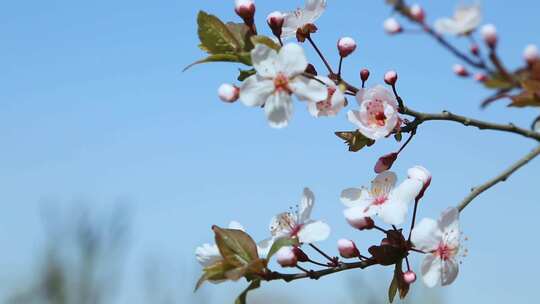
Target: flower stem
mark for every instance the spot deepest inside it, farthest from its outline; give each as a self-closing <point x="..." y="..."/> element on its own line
<point x="328" y="66"/>
<point x="322" y="253"/>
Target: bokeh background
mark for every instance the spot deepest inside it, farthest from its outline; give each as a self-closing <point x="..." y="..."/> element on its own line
<point x="114" y="164"/>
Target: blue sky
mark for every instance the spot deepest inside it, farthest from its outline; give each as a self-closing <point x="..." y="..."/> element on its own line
<point x="94" y="107"/>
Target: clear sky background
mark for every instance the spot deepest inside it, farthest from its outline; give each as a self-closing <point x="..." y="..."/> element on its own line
<point x="94" y="107"/>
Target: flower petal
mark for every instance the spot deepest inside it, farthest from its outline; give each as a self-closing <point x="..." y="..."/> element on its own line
<point x="308" y="89"/>
<point x="352" y="197"/>
<point x="236" y="225"/>
<point x="426" y="235"/>
<point x="279" y="108"/>
<point x="292" y="60"/>
<point x="264" y="60"/>
<point x="314" y="232"/>
<point x="431" y="270"/>
<point x="407" y="191"/>
<point x="449" y="272"/>
<point x="306" y="205"/>
<point x="280" y="225"/>
<point x="255" y="91"/>
<point x="357" y="213"/>
<point x="393" y="212"/>
<point x="449" y="225"/>
<point x="264" y="246"/>
<point x="207" y="254"/>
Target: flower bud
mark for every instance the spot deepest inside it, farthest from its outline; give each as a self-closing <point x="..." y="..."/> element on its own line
<point x="460" y="70"/>
<point x="358" y="221"/>
<point x="480" y="77"/>
<point x="409" y="277"/>
<point x="420" y="173"/>
<point x="286" y="257"/>
<point x="391" y="78"/>
<point x="228" y="93"/>
<point x="346" y="46"/>
<point x="475" y="50"/>
<point x="301" y="256"/>
<point x="531" y="54"/>
<point x="347" y="249"/>
<point x="246" y="10"/>
<point x="385" y="162"/>
<point x="417" y="12"/>
<point x="392" y="26"/>
<point x="364" y="75"/>
<point x="489" y="33"/>
<point x="275" y="21"/>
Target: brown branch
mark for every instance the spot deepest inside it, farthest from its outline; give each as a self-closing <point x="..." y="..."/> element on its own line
<point x="315" y="275"/>
<point x="498" y="179"/>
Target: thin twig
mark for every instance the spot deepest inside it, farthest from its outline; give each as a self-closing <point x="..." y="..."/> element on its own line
<point x="500" y="178"/>
<point x="320" y="273"/>
<point x="328" y="66"/>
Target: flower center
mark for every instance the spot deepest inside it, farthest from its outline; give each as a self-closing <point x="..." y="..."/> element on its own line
<point x="375" y="110"/>
<point x="281" y="83"/>
<point x="379" y="200"/>
<point x="295" y="229"/>
<point x="444" y="251"/>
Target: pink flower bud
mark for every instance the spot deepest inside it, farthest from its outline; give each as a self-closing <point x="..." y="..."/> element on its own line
<point x="347" y="249"/>
<point x="275" y="21"/>
<point x="392" y="26"/>
<point x="420" y="173"/>
<point x="228" y="92"/>
<point x="531" y="54"/>
<point x="286" y="257"/>
<point x="359" y="221"/>
<point x="417" y="12"/>
<point x="385" y="162"/>
<point x="246" y="10"/>
<point x="409" y="277"/>
<point x="301" y="256"/>
<point x="475" y="50"/>
<point x="460" y="70"/>
<point x="390" y="77"/>
<point x="489" y="33"/>
<point x="364" y="75"/>
<point x="481" y="77"/>
<point x="346" y="46"/>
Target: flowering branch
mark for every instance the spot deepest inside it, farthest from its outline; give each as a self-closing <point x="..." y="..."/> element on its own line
<point x="315" y="275"/>
<point x="498" y="179"/>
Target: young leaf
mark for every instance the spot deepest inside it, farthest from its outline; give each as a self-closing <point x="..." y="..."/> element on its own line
<point x="355" y="140"/>
<point x="266" y="41"/>
<point x="392" y="290"/>
<point x="215" y="272"/>
<point x="235" y="246"/>
<point x="279" y="243"/>
<point x="525" y="99"/>
<point x="497" y="81"/>
<point x="215" y="36"/>
<point x="242" y="298"/>
<point x="244" y="74"/>
<point x="242" y="33"/>
<point x="216" y="58"/>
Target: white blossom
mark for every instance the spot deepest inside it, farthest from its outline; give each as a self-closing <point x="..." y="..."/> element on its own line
<point x="466" y="19"/>
<point x="279" y="75"/>
<point x="441" y="240"/>
<point x="334" y="102"/>
<point x="297" y="19"/>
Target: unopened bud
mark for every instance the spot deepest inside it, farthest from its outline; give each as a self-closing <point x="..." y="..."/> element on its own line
<point x="301" y="256"/>
<point x="346" y="46"/>
<point x="420" y="173"/>
<point x="392" y="26"/>
<point x="385" y="162"/>
<point x="409" y="277"/>
<point x="391" y="78"/>
<point x="460" y="70"/>
<point x="480" y="77"/>
<point x="246" y="10"/>
<point x="364" y="75"/>
<point x="228" y="92"/>
<point x="489" y="33"/>
<point x="475" y="49"/>
<point x="275" y="22"/>
<point x="531" y="54"/>
<point x="286" y="257"/>
<point x="417" y="12"/>
<point x="357" y="220"/>
<point x="347" y="249"/>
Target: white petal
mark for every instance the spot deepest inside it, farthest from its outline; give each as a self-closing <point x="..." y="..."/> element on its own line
<point x="449" y="272"/>
<point x="308" y="89"/>
<point x="207" y="254"/>
<point x="447" y="25"/>
<point x="426" y="235"/>
<point x="449" y="225"/>
<point x="264" y="246"/>
<point x="352" y="197"/>
<point x="236" y="225"/>
<point x="264" y="60"/>
<point x="292" y="60"/>
<point x="279" y="108"/>
<point x="355" y="118"/>
<point x="312" y="108"/>
<point x="379" y="92"/>
<point x="255" y="91"/>
<point x="431" y="270"/>
<point x="280" y="225"/>
<point x="317" y="7"/>
<point x="383" y="182"/>
<point x="306" y="205"/>
<point x="393" y="213"/>
<point x="407" y="191"/>
<point x="314" y="232"/>
<point x="360" y="95"/>
<point x="354" y="214"/>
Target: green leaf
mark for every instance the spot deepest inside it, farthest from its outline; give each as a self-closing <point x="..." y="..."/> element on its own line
<point x="355" y="140"/>
<point x="216" y="58"/>
<point x="215" y="36"/>
<point x="266" y="41"/>
<point x="497" y="81"/>
<point x="236" y="246"/>
<point x="242" y="298"/>
<point x="242" y="33"/>
<point x="279" y="243"/>
<point x="392" y="290"/>
<point x="214" y="272"/>
<point x="244" y="74"/>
